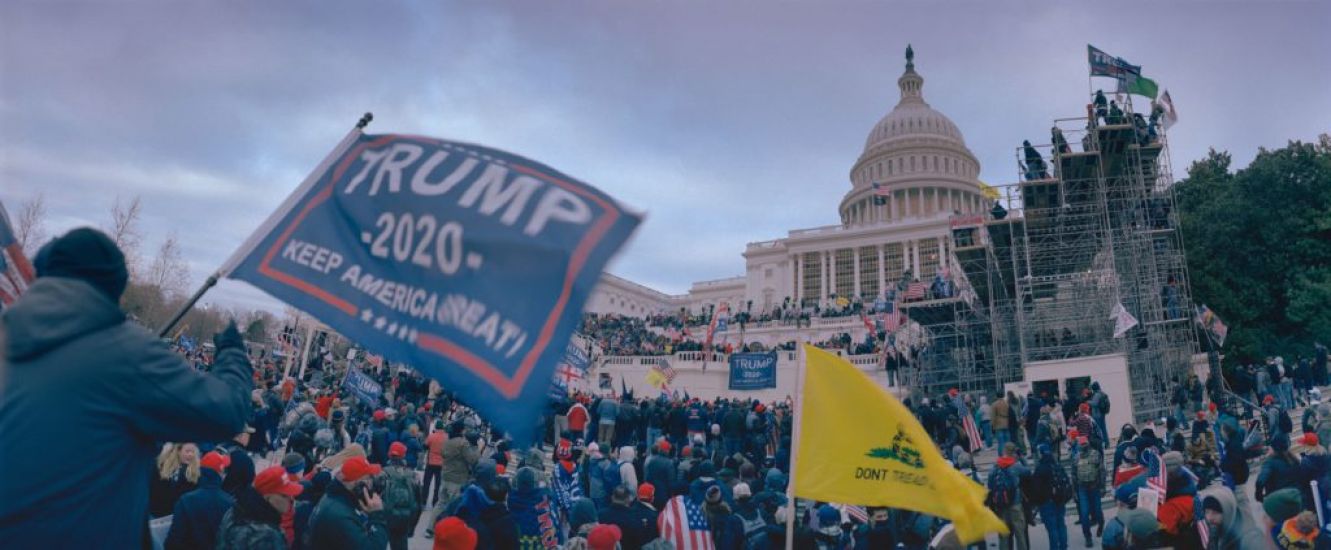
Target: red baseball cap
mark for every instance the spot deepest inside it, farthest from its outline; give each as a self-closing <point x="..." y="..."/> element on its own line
<point x="663" y="445"/>
<point x="452" y="533"/>
<point x="397" y="450"/>
<point x="274" y="481"/>
<point x="216" y="461"/>
<point x="1309" y="438"/>
<point x="357" y="467"/>
<point x="646" y="492"/>
<point x="1085" y="407"/>
<point x="379" y="415"/>
<point x="604" y="537"/>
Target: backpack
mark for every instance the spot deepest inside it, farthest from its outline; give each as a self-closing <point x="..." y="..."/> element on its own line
<point x="1062" y="490"/>
<point x="309" y="423"/>
<point x="400" y="504"/>
<point x="323" y="438"/>
<point x="1088" y="468"/>
<point x="1104" y="402"/>
<point x="752" y="528"/>
<point x="610" y="478"/>
<point x="1002" y="489"/>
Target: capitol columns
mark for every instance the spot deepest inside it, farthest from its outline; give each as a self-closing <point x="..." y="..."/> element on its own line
<point x="855" y="269"/>
<point x="882" y="270"/>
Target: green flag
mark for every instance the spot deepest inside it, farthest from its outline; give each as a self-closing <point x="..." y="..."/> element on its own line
<point x="1140" y="85"/>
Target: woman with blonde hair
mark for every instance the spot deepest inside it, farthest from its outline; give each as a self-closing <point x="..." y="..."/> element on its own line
<point x="177" y="474"/>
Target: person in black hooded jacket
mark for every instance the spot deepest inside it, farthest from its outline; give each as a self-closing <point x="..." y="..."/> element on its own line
<point x="75" y="362"/>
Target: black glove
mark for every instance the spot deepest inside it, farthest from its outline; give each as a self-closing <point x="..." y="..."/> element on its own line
<point x="229" y="337"/>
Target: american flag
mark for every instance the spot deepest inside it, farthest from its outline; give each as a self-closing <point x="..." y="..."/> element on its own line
<point x="915" y="291"/>
<point x="857" y="513"/>
<point x="1159" y="479"/>
<point x="683" y="525"/>
<point x="663" y="365"/>
<point x="15" y="271"/>
<point x="968" y="422"/>
<point x="891" y="318"/>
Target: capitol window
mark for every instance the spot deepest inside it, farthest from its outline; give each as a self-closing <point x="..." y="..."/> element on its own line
<point x="928" y="258"/>
<point x="845" y="272"/>
<point x="868" y="271"/>
<point x="893" y="262"/>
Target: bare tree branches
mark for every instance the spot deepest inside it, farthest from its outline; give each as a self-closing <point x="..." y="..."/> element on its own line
<point x="124" y="230"/>
<point x="30" y="225"/>
<point x="168" y="270"/>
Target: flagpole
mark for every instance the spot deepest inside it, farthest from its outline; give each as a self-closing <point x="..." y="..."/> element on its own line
<point x="248" y="245"/>
<point x="305" y="352"/>
<point x="798" y="419"/>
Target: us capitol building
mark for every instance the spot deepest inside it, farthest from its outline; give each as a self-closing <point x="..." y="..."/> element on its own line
<point x="913" y="176"/>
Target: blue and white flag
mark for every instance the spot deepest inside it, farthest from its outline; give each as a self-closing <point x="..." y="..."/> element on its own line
<point x="364" y="387"/>
<point x="468" y="263"/>
<point x="1103" y="64"/>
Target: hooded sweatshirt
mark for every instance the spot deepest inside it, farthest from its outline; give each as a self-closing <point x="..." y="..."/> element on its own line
<point x="627" y="474"/>
<point x="1238" y="529"/>
<point x="535" y="512"/>
<point x="74" y="363"/>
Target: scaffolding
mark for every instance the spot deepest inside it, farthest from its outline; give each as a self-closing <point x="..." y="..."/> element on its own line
<point x="1083" y="230"/>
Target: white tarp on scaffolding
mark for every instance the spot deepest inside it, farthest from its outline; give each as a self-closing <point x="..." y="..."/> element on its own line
<point x="1123" y="321"/>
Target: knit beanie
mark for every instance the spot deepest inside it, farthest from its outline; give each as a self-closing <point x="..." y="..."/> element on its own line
<point x="1283" y="504"/>
<point x="88" y="255"/>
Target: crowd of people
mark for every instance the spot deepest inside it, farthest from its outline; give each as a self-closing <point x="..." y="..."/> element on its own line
<point x="226" y="451"/>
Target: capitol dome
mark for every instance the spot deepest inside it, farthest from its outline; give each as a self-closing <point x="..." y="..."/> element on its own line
<point x="915" y="164"/>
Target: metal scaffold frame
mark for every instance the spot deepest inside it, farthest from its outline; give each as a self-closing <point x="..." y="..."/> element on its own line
<point x="1083" y="230"/>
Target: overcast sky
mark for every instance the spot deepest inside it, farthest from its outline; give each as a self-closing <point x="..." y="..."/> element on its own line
<point x="726" y="122"/>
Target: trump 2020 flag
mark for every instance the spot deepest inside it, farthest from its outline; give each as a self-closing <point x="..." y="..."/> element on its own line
<point x="839" y="457"/>
<point x="468" y="263"/>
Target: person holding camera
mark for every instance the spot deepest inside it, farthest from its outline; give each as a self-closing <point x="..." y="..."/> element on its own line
<point x="351" y="515"/>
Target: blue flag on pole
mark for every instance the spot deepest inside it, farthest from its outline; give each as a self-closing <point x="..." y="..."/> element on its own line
<point x="363" y="386"/>
<point x="468" y="263"/>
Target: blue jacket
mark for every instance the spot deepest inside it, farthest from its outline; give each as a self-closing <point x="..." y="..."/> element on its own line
<point x="198" y="514"/>
<point x="74" y="363"/>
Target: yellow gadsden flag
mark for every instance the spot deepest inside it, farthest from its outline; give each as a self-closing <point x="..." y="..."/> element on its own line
<point x="859" y="445"/>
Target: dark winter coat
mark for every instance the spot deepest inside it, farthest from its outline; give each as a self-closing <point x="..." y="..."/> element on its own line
<point x="660" y="471"/>
<point x="1277" y="473"/>
<point x="240" y="473"/>
<point x="74" y="363"/>
<point x="632" y="524"/>
<point x="198" y="514"/>
<point x="252" y="524"/>
<point x="163" y="493"/>
<point x="337" y="522"/>
<point x="495" y="526"/>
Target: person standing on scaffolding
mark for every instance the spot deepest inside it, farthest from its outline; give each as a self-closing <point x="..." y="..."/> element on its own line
<point x="1101" y="108"/>
<point x="1035" y="166"/>
<point x="1115" y="115"/>
<point x="1060" y="143"/>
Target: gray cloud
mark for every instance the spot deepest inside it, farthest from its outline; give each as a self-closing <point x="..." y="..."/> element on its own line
<point x="726" y="123"/>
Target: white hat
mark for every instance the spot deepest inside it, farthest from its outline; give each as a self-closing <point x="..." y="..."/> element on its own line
<point x="742" y="490"/>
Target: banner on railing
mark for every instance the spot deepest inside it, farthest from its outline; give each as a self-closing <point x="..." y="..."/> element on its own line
<point x="752" y="371"/>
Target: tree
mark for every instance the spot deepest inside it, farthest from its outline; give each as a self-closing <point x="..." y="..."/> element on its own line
<point x="124" y="230"/>
<point x="168" y="270"/>
<point x="257" y="325"/>
<point x="1259" y="243"/>
<point x="30" y="225"/>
